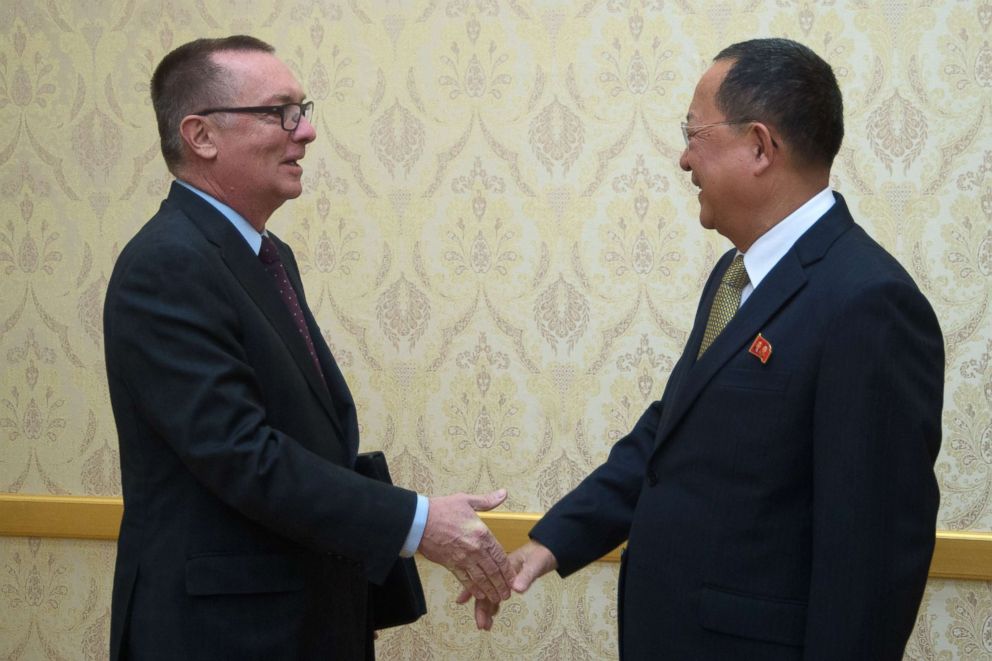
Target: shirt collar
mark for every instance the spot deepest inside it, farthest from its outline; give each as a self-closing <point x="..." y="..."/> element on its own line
<point x="771" y="246"/>
<point x="250" y="234"/>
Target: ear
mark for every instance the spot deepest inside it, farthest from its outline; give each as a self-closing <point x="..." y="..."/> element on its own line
<point x="200" y="136"/>
<point x="765" y="149"/>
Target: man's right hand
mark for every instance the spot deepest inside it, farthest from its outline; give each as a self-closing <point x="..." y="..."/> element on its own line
<point x="530" y="562"/>
<point x="455" y="537"/>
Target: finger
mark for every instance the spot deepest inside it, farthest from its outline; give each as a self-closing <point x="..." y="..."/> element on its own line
<point x="488" y="501"/>
<point x="476" y="590"/>
<point x="507" y="572"/>
<point x="467" y="583"/>
<point x="484" y="613"/>
<point x="497" y="567"/>
<point x="482" y="581"/>
<point x="485" y="583"/>
<point x="469" y="578"/>
<point x="463" y="596"/>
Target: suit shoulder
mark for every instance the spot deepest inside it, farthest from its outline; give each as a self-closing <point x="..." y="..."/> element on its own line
<point x="857" y="273"/>
<point x="857" y="260"/>
<point x="169" y="237"/>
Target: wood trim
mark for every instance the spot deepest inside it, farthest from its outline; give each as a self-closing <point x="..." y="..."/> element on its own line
<point x="961" y="555"/>
<point x="76" y="517"/>
<point x="966" y="555"/>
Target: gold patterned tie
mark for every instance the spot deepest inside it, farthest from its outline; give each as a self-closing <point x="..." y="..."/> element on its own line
<point x="726" y="302"/>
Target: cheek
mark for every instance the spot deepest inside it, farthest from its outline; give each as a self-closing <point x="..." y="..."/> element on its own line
<point x="700" y="159"/>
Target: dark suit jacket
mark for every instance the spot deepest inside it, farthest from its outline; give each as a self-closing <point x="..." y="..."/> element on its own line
<point x="783" y="510"/>
<point x="246" y="535"/>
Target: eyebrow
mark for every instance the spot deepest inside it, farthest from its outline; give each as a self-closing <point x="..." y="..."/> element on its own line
<point x="285" y="98"/>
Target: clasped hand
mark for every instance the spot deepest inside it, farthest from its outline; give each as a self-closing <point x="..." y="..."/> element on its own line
<point x="529" y="562"/>
<point x="455" y="537"/>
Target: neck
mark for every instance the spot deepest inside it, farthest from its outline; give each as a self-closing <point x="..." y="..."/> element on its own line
<point x="256" y="215"/>
<point x="776" y="203"/>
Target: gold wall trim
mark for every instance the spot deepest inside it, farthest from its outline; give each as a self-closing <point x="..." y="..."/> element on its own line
<point x="962" y="555"/>
<point x="76" y="517"/>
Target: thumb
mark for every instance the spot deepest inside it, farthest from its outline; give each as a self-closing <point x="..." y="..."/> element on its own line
<point x="488" y="501"/>
<point x="526" y="575"/>
<point x="537" y="561"/>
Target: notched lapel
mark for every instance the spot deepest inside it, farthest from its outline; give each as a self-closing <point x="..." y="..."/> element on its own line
<point x="258" y="284"/>
<point x="780" y="286"/>
<point x="248" y="270"/>
<point x="685" y="363"/>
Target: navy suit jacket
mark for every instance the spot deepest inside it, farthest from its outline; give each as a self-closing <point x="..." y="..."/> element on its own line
<point x="782" y="509"/>
<point x="246" y="533"/>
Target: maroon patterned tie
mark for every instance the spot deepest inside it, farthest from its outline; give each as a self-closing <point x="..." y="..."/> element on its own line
<point x="269" y="255"/>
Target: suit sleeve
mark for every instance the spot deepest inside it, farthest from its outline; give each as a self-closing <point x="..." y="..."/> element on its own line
<point x="173" y="340"/>
<point x="595" y="517"/>
<point x="877" y="429"/>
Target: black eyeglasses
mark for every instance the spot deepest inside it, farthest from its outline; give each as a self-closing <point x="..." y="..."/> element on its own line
<point x="290" y="114"/>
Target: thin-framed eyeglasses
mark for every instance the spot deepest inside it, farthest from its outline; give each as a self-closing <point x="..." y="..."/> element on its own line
<point x="689" y="131"/>
<point x="290" y="114"/>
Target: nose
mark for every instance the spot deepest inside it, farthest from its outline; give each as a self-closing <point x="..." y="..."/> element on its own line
<point x="304" y="132"/>
<point x="684" y="159"/>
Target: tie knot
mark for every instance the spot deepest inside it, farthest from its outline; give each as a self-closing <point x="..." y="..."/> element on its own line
<point x="268" y="253"/>
<point x="736" y="274"/>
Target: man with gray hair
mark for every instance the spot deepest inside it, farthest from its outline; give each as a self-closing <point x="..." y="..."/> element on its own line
<point x="246" y="532"/>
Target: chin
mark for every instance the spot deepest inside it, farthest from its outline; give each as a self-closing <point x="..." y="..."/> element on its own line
<point x="291" y="192"/>
<point x="706" y="219"/>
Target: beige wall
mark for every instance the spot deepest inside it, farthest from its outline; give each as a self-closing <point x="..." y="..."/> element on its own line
<point x="497" y="241"/>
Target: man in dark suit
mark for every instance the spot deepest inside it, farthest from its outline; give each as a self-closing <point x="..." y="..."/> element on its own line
<point x="779" y="501"/>
<point x="246" y="533"/>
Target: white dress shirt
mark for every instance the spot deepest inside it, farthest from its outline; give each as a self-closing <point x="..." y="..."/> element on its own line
<point x="771" y="246"/>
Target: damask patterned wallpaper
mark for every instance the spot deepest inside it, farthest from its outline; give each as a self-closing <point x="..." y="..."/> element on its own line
<point x="497" y="241"/>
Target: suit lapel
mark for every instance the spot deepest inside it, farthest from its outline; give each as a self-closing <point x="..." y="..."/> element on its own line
<point x="778" y="288"/>
<point x="337" y="388"/>
<point x="688" y="358"/>
<point x="248" y="270"/>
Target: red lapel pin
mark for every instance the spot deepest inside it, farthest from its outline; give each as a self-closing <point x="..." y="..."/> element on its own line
<point x="761" y="348"/>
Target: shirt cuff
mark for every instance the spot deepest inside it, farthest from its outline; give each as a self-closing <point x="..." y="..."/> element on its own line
<point x="413" y="538"/>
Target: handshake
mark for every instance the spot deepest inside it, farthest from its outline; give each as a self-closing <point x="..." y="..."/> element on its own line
<point x="456" y="538"/>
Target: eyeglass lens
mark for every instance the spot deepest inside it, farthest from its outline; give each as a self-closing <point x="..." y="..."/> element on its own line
<point x="293" y="112"/>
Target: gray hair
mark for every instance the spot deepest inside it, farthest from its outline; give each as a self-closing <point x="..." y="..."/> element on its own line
<point x="187" y="80"/>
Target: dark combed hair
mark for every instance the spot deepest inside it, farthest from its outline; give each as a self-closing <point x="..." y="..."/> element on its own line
<point x="788" y="86"/>
<point x="188" y="80"/>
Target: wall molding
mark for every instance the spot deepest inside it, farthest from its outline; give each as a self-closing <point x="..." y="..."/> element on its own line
<point x="960" y="555"/>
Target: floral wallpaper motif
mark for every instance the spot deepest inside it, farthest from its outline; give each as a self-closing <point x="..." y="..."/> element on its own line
<point x="497" y="241"/>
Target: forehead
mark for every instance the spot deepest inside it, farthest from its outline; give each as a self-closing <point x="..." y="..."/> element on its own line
<point x="704" y="98"/>
<point x="260" y="77"/>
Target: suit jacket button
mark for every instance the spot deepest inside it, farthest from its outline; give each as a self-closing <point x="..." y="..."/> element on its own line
<point x="652" y="478"/>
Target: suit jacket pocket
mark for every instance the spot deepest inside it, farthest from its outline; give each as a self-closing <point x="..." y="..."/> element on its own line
<point x="779" y="621"/>
<point x="243" y="574"/>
